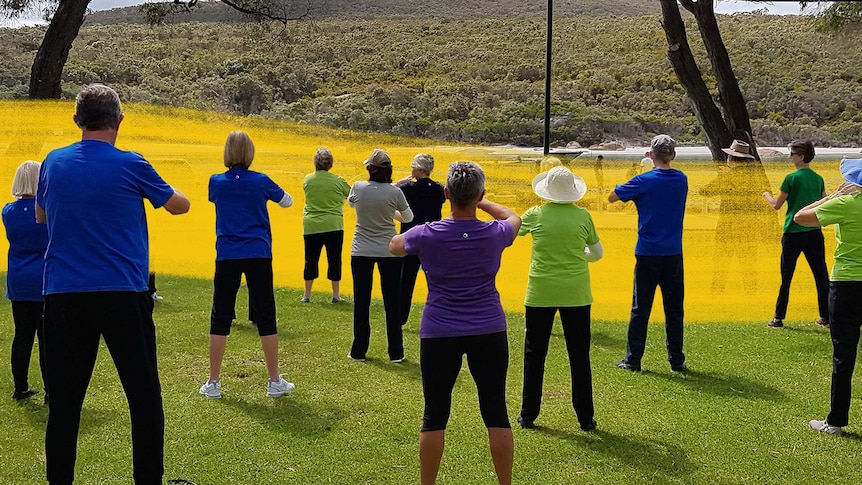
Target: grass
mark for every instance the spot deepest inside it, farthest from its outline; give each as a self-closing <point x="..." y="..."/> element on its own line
<point x="740" y="415"/>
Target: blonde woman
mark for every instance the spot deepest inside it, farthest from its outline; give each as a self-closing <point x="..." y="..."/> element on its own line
<point x="27" y="243"/>
<point x="243" y="246"/>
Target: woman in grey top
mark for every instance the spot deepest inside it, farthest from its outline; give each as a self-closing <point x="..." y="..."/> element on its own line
<point x="378" y="203"/>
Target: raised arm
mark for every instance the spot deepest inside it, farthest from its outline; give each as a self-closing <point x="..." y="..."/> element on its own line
<point x="776" y="203"/>
<point x="396" y="246"/>
<point x="40" y="215"/>
<point x="176" y="205"/>
<point x="501" y="213"/>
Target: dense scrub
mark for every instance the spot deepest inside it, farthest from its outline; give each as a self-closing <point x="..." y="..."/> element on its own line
<point x="477" y="80"/>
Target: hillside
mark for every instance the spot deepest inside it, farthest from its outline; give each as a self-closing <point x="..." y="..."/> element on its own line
<point x="214" y="11"/>
<point x="475" y="80"/>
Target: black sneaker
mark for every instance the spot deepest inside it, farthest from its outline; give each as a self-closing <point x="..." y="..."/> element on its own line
<point x="679" y="368"/>
<point x="589" y="426"/>
<point x="526" y="423"/>
<point x="21" y="395"/>
<point x="627" y="366"/>
<point x="775" y="323"/>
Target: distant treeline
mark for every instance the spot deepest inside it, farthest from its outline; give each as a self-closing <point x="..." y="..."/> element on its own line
<point x="474" y="80"/>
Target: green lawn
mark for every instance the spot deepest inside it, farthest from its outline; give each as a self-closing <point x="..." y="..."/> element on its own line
<point x="740" y="415"/>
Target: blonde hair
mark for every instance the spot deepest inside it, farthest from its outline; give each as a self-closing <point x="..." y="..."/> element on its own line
<point x="26" y="179"/>
<point x="238" y="150"/>
<point x="323" y="159"/>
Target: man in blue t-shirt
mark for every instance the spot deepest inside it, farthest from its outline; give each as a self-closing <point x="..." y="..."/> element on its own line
<point x="91" y="195"/>
<point x="659" y="196"/>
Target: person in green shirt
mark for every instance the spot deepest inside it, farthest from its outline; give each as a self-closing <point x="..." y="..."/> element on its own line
<point x="799" y="189"/>
<point x="323" y="222"/>
<point x="844" y="209"/>
<point x="564" y="241"/>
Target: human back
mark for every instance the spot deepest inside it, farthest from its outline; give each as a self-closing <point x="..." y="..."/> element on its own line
<point x="660" y="196"/>
<point x="802" y="187"/>
<point x="461" y="259"/>
<point x="109" y="239"/>
<point x="324" y="202"/>
<point x="559" y="275"/>
<point x="242" y="220"/>
<point x="375" y="204"/>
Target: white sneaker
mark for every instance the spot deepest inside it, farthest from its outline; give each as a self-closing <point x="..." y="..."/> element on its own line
<point x="156" y="297"/>
<point x="280" y="388"/>
<point x="211" y="390"/>
<point x="825" y="427"/>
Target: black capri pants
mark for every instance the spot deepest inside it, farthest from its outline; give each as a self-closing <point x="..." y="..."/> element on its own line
<point x="228" y="276"/>
<point x="314" y="243"/>
<point x="488" y="360"/>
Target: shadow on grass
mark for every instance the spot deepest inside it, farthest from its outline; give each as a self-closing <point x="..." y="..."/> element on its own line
<point x="408" y="368"/>
<point x="291" y="415"/>
<point x="722" y="384"/>
<point x="92" y="420"/>
<point x="651" y="455"/>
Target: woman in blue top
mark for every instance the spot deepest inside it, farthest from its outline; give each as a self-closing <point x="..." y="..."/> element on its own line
<point x="243" y="245"/>
<point x="27" y="243"/>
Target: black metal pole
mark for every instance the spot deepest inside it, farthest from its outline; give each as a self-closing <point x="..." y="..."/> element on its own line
<point x="548" y="78"/>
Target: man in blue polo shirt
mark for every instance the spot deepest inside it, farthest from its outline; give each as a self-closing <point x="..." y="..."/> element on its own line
<point x="659" y="196"/>
<point x="96" y="267"/>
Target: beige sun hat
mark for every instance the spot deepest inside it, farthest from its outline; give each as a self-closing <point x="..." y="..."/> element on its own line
<point x="739" y="149"/>
<point x="560" y="185"/>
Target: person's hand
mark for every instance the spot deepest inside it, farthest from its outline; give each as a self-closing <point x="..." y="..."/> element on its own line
<point x="406" y="180"/>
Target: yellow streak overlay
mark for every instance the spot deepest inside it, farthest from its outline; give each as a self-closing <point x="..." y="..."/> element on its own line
<point x="731" y="274"/>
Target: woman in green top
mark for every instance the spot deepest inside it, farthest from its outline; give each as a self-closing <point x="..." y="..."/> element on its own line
<point x="844" y="209"/>
<point x="564" y="240"/>
<point x="323" y="222"/>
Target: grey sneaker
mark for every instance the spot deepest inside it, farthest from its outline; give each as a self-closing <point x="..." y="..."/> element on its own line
<point x="211" y="390"/>
<point x="825" y="427"/>
<point x="280" y="388"/>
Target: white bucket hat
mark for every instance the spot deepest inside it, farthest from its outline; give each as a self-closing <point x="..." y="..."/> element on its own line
<point x="559" y="184"/>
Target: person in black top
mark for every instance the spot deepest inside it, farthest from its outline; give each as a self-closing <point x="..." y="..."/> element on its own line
<point x="426" y="198"/>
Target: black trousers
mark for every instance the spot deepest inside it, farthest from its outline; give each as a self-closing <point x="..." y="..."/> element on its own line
<point x="74" y="323"/>
<point x="363" y="279"/>
<point x="314" y="244"/>
<point x="440" y="362"/>
<point x="576" y="329"/>
<point x="151" y="284"/>
<point x="409" y="270"/>
<point x="845" y="317"/>
<point x="665" y="272"/>
<point x="261" y="298"/>
<point x="811" y="244"/>
<point x="27" y="316"/>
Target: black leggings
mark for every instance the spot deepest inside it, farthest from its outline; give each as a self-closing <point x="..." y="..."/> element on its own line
<point x="314" y="244"/>
<point x="488" y="361"/>
<point x="228" y="276"/>
<point x="28" y="324"/>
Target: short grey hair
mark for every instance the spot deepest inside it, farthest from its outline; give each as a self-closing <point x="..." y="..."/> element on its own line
<point x="465" y="183"/>
<point x="97" y="107"/>
<point x="423" y="162"/>
<point x="26" y="179"/>
<point x="323" y="159"/>
<point x="663" y="148"/>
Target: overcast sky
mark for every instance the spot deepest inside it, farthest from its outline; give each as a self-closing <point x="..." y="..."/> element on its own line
<point x="723" y="6"/>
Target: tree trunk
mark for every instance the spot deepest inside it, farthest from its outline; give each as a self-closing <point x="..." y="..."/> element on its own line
<point x="680" y="56"/>
<point x="730" y="98"/>
<point x="54" y="50"/>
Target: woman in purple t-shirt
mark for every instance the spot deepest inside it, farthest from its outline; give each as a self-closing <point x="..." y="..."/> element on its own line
<point x="463" y="315"/>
